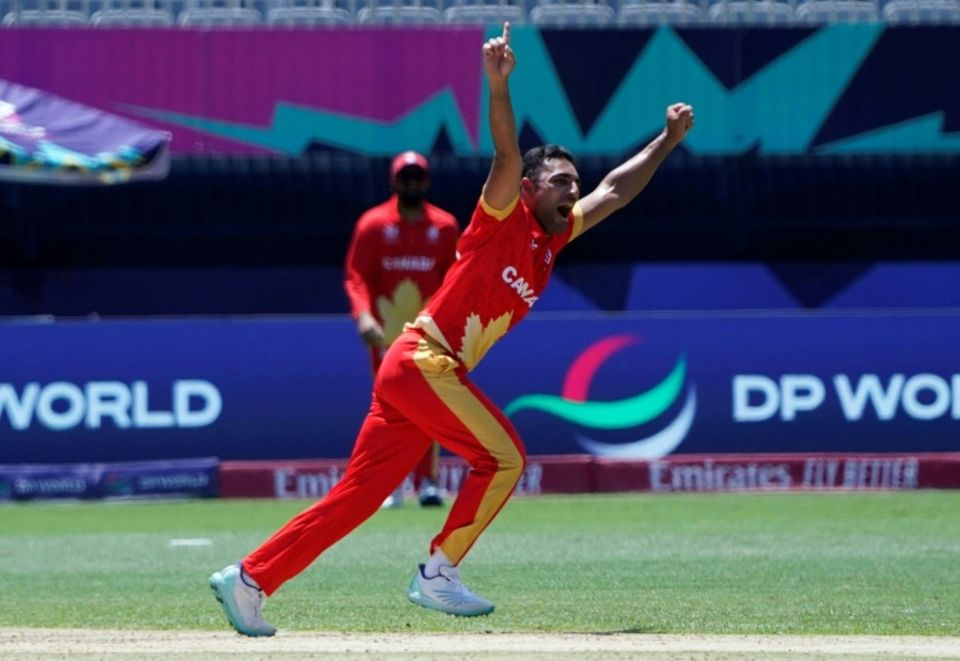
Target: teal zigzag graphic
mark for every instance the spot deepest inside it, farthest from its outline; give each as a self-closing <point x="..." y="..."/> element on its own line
<point x="765" y="111"/>
<point x="294" y="127"/>
<point x="779" y="110"/>
<point x="923" y="134"/>
<point x="758" y="113"/>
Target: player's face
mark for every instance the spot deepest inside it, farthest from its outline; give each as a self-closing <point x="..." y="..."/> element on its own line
<point x="552" y="192"/>
<point x="411" y="185"/>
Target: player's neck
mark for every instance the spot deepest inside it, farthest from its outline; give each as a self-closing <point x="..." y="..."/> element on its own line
<point x="410" y="214"/>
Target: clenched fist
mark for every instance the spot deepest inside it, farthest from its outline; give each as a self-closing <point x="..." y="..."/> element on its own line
<point x="679" y="121"/>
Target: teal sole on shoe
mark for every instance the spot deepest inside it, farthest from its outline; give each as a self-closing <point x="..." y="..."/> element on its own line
<point x="417" y="598"/>
<point x="217" y="584"/>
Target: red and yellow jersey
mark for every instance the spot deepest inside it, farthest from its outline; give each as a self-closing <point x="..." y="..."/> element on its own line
<point x="393" y="266"/>
<point x="505" y="259"/>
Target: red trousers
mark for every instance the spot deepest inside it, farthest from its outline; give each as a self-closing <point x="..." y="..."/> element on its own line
<point x="428" y="466"/>
<point x="419" y="394"/>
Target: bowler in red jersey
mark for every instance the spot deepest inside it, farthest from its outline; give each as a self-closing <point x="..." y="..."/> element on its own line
<point x="530" y="208"/>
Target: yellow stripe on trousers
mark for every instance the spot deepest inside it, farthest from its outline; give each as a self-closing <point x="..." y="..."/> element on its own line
<point x="486" y="431"/>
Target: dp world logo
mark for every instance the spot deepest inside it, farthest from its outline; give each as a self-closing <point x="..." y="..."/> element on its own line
<point x="574" y="405"/>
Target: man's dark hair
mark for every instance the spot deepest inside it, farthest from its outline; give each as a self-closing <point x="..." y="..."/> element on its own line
<point x="535" y="157"/>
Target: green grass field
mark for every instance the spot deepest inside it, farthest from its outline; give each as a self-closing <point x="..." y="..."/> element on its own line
<point x="875" y="563"/>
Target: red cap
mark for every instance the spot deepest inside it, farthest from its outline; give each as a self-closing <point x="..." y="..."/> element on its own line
<point x="405" y="160"/>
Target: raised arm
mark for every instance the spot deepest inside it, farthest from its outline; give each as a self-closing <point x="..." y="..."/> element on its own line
<point x="503" y="181"/>
<point x="625" y="182"/>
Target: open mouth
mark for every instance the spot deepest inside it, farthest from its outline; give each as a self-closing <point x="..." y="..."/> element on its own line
<point x="564" y="209"/>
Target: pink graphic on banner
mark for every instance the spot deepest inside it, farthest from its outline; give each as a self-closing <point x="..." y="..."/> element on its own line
<point x="239" y="76"/>
<point x="576" y="385"/>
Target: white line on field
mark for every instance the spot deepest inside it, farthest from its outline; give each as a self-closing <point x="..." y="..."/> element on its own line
<point x="195" y="541"/>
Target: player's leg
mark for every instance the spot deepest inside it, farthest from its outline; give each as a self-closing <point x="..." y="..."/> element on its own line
<point x="395" y="499"/>
<point x="480" y="433"/>
<point x="425" y="478"/>
<point x="467" y="423"/>
<point x="386" y="449"/>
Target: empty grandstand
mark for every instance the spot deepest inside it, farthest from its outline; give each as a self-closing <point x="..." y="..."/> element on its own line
<point x="545" y="13"/>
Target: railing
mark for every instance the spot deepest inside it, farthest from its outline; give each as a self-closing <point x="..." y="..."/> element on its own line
<point x="544" y="13"/>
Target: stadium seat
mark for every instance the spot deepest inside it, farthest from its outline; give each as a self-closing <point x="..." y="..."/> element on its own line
<point x="922" y="11"/>
<point x="580" y="14"/>
<point x="47" y="18"/>
<point x="752" y="12"/>
<point x="214" y="13"/>
<point x="400" y="14"/>
<point x="837" y="11"/>
<point x="480" y="12"/>
<point x="651" y="12"/>
<point x="307" y="16"/>
<point x="145" y="18"/>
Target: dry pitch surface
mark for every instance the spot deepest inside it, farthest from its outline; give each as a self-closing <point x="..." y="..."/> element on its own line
<point x="138" y="644"/>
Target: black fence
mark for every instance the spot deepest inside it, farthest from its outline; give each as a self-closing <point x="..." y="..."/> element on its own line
<point x="273" y="211"/>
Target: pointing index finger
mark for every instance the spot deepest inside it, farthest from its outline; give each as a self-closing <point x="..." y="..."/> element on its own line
<point x="506" y="33"/>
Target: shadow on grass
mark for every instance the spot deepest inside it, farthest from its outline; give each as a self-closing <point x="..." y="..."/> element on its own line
<point x="637" y="629"/>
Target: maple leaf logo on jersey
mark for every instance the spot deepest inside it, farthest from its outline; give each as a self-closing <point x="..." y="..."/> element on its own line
<point x="477" y="338"/>
<point x="407" y="302"/>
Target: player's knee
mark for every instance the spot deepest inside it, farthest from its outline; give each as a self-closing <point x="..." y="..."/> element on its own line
<point x="512" y="461"/>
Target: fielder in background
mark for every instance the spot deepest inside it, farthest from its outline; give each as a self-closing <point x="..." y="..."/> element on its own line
<point x="399" y="253"/>
<point x="529" y="210"/>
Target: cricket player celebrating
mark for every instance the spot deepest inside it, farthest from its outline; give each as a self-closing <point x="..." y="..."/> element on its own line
<point x="529" y="210"/>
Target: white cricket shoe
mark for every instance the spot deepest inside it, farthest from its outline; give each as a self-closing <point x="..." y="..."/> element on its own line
<point x="241" y="602"/>
<point x="447" y="594"/>
<point x="394" y="500"/>
<point x="430" y="494"/>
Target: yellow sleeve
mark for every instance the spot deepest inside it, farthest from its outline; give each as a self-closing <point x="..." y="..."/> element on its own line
<point x="577" y="222"/>
<point x="499" y="214"/>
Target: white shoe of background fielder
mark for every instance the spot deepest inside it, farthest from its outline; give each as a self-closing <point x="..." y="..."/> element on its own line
<point x="394" y="500"/>
<point x="447" y="594"/>
<point x="242" y="603"/>
<point x="430" y="494"/>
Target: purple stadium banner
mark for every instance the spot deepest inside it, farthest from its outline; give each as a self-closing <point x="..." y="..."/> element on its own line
<point x="46" y="138"/>
<point x="239" y="76"/>
<point x="376" y="91"/>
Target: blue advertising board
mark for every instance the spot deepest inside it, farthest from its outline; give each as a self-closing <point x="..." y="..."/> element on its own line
<point x="644" y="386"/>
<point x="625" y="385"/>
<point x="136" y="390"/>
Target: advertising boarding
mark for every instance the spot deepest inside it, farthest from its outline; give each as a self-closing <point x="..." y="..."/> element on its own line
<point x="619" y="386"/>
